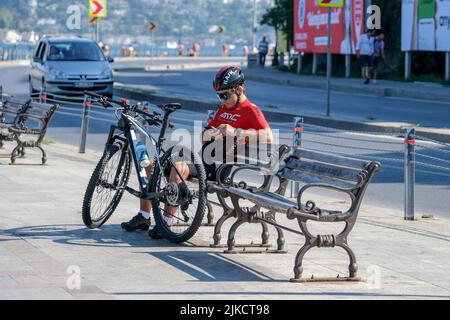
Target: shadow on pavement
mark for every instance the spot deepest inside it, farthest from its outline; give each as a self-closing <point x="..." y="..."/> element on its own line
<point x="75" y="234"/>
<point x="211" y="266"/>
<point x="201" y="265"/>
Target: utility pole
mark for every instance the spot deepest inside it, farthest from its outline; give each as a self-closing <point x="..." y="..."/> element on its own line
<point x="329" y="64"/>
<point x="255" y="8"/>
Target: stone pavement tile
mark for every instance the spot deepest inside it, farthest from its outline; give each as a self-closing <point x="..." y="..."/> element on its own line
<point x="35" y="294"/>
<point x="124" y="265"/>
<point x="6" y="281"/>
<point x="41" y="280"/>
<point x="14" y="265"/>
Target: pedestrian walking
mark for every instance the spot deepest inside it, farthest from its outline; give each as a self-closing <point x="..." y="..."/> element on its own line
<point x="378" y="55"/>
<point x="263" y="48"/>
<point x="364" y="52"/>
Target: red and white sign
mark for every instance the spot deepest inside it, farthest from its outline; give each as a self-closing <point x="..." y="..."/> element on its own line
<point x="97" y="8"/>
<point x="311" y="26"/>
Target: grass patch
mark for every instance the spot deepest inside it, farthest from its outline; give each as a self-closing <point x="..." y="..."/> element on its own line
<point x="47" y="141"/>
<point x="427" y="216"/>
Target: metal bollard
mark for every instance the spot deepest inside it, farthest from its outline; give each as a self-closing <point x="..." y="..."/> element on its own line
<point x="297" y="143"/>
<point x="42" y="95"/>
<point x="84" y="124"/>
<point x="299" y="63"/>
<point x="211" y="114"/>
<point x="410" y="174"/>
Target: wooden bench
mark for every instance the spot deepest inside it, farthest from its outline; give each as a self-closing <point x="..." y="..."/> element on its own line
<point x="311" y="169"/>
<point x="28" y="126"/>
<point x="264" y="166"/>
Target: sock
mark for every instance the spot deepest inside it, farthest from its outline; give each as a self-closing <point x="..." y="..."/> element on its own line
<point x="145" y="214"/>
<point x="168" y="220"/>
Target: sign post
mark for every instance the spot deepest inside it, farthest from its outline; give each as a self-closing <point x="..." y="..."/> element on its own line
<point x="447" y="66"/>
<point x="152" y="27"/>
<point x="97" y="9"/>
<point x="329" y="4"/>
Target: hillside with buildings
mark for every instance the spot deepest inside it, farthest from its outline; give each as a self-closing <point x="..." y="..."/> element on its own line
<point x="24" y="21"/>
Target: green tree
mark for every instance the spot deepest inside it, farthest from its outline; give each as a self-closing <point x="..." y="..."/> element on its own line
<point x="281" y="17"/>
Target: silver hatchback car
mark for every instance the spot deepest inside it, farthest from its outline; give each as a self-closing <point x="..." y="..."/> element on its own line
<point x="68" y="66"/>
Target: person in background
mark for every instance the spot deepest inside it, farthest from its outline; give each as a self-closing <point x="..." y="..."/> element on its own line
<point x="180" y="48"/>
<point x="378" y="55"/>
<point x="196" y="49"/>
<point x="224" y="50"/>
<point x="105" y="49"/>
<point x="245" y="52"/>
<point x="263" y="48"/>
<point x="364" y="52"/>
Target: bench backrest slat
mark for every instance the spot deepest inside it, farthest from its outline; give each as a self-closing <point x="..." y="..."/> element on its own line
<point x="332" y="159"/>
<point x="308" y="178"/>
<point x="323" y="169"/>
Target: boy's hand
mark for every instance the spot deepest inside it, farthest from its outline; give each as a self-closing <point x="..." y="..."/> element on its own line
<point x="211" y="133"/>
<point x="227" y="130"/>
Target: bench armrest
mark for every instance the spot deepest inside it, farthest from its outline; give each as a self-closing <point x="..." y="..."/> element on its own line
<point x="269" y="170"/>
<point x="311" y="212"/>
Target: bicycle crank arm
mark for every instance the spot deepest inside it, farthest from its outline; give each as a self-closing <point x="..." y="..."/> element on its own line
<point x="145" y="196"/>
<point x="153" y="195"/>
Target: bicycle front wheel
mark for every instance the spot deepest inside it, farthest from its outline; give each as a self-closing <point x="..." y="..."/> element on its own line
<point x="180" y="212"/>
<point x="106" y="186"/>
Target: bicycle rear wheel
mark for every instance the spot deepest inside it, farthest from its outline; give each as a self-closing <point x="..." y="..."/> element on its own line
<point x="188" y="197"/>
<point x="106" y="186"/>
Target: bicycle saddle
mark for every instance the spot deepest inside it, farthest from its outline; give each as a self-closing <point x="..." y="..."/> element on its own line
<point x="171" y="107"/>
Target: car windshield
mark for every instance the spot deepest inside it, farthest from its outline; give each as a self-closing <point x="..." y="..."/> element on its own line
<point x="74" y="51"/>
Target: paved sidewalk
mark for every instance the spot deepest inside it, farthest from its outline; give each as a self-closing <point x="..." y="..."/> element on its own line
<point x="415" y="90"/>
<point x="43" y="241"/>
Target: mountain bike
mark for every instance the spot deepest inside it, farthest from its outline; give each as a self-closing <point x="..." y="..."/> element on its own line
<point x="111" y="176"/>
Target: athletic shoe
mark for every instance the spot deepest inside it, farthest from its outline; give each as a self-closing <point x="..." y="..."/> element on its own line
<point x="138" y="222"/>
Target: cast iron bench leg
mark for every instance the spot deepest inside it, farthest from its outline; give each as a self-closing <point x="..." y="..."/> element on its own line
<point x="217" y="235"/>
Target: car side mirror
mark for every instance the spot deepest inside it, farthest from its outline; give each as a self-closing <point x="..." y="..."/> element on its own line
<point x="37" y="59"/>
<point x="110" y="60"/>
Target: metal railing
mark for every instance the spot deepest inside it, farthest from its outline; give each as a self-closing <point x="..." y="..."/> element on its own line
<point x="408" y="152"/>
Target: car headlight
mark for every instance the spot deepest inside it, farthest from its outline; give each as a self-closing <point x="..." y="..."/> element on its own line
<point x="106" y="74"/>
<point x="57" y="74"/>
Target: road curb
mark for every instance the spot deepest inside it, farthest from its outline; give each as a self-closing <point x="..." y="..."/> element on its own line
<point x="342" y="87"/>
<point x="342" y="124"/>
<point x="14" y="63"/>
<point x="181" y="66"/>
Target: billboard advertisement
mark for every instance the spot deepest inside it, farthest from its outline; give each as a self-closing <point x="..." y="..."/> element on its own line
<point x="311" y="26"/>
<point x="426" y="25"/>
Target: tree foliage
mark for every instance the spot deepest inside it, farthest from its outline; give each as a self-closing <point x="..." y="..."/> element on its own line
<point x="281" y="17"/>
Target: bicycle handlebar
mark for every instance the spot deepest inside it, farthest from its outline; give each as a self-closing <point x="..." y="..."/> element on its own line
<point x="152" y="119"/>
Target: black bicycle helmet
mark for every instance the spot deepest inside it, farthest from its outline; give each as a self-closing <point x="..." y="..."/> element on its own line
<point x="228" y="78"/>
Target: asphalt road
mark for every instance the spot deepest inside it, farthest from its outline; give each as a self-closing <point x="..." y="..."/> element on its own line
<point x="386" y="191"/>
<point x="302" y="101"/>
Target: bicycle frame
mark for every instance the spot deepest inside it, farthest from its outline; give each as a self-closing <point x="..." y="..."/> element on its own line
<point x="127" y="124"/>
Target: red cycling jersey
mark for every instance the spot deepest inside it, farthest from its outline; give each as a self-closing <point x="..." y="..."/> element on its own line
<point x="245" y="115"/>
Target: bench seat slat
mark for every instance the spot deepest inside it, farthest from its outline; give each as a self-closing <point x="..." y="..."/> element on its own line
<point x="265" y="199"/>
<point x="333" y="159"/>
<point x="323" y="169"/>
